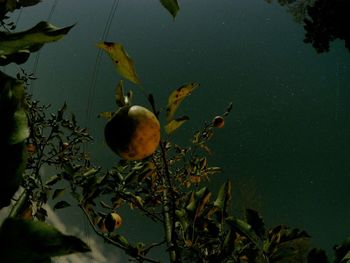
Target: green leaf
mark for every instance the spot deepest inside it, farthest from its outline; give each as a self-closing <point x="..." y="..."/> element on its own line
<point x="282" y="233"/>
<point x="243" y="228"/>
<point x="53" y="180"/>
<point x="90" y="172"/>
<point x="14" y="130"/>
<point x="26" y="3"/>
<point x="16" y="47"/>
<point x="121" y="60"/>
<point x="214" y="170"/>
<point x="175" y="124"/>
<point x="182" y="219"/>
<point x="21" y="129"/>
<point x="201" y="192"/>
<point x="172" y="6"/>
<point x="12" y="166"/>
<point x="342" y="252"/>
<point x="12" y="110"/>
<point x="12" y="5"/>
<point x="283" y="242"/>
<point x="257" y="223"/>
<point x="177" y="96"/>
<point x="198" y="201"/>
<point x="223" y="197"/>
<point x="60" y="205"/>
<point x="121" y="240"/>
<point x="202" y="202"/>
<point x="229" y="242"/>
<point x="34" y="241"/>
<point x="191" y="205"/>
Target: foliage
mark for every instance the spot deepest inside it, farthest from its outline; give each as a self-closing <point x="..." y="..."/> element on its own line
<point x="203" y="230"/>
<point x="11" y="5"/>
<point x="169" y="187"/>
<point x="324" y="21"/>
<point x="327" y="21"/>
<point x="14" y="131"/>
<point x="35" y="242"/>
<point x="56" y="141"/>
<point x="121" y="60"/>
<point x="16" y="47"/>
<point x="21" y="238"/>
<point x="176" y="97"/>
<point x="172" y="6"/>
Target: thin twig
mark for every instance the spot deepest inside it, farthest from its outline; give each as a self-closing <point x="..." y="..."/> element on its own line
<point x="151" y="215"/>
<point x="113" y="242"/>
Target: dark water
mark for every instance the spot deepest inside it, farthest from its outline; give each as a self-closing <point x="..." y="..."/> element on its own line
<point x="286" y="143"/>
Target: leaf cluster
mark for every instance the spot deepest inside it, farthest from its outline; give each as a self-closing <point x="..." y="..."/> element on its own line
<point x="7" y="6"/>
<point x="324" y="21"/>
<point x="13" y="133"/>
<point x="29" y="142"/>
<point x="168" y="188"/>
<point x="55" y="141"/>
<point x="35" y="242"/>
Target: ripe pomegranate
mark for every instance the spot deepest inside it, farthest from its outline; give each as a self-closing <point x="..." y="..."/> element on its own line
<point x="133" y="132"/>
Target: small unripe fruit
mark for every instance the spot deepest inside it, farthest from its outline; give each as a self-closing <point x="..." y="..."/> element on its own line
<point x="218" y="122"/>
<point x="111" y="222"/>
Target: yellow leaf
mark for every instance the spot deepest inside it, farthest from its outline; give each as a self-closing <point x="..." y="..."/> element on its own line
<point x="175" y="124"/>
<point x="203" y="202"/>
<point x="177" y="96"/>
<point x="121" y="60"/>
<point x="120" y="98"/>
<point x="119" y="94"/>
<point x="106" y="115"/>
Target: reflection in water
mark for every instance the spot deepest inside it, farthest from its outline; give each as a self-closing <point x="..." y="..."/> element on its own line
<point x="298" y="8"/>
<point x="324" y="21"/>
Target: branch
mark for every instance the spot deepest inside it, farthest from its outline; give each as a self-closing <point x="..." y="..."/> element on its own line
<point x="113" y="242"/>
<point x="148" y="213"/>
<point x="169" y="223"/>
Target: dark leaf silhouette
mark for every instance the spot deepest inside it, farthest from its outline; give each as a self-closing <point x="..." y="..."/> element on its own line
<point x="14" y="130"/>
<point x="16" y="47"/>
<point x="172" y="6"/>
<point x="34" y="241"/>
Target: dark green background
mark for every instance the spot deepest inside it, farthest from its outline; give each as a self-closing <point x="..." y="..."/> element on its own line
<point x="285" y="145"/>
